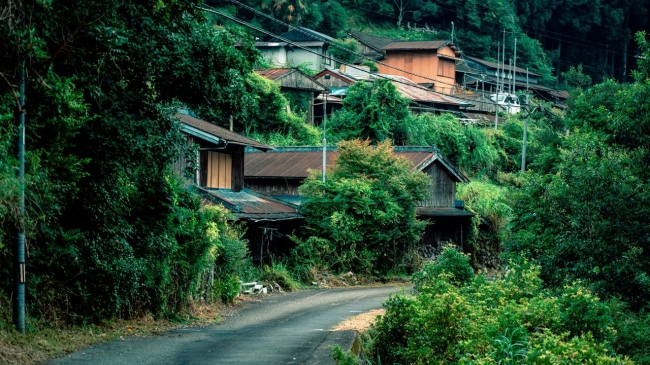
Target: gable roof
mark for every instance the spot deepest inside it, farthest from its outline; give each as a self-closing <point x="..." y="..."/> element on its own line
<point x="294" y="162"/>
<point x="247" y="204"/>
<point x="215" y="134"/>
<point x="336" y="73"/>
<point x="372" y="41"/>
<point x="299" y="80"/>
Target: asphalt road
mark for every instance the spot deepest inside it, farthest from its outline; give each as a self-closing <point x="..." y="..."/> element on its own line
<point x="292" y="328"/>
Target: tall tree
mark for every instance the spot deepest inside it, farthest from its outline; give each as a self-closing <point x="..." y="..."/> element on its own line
<point x="110" y="230"/>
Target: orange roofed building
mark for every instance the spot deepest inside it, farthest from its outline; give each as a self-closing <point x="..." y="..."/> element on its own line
<point x="433" y="61"/>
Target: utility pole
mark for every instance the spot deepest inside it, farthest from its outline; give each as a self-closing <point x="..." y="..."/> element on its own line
<point x="496" y="95"/>
<point x="19" y="304"/>
<point x="514" y="70"/>
<point x="324" y="132"/>
<point x="503" y="55"/>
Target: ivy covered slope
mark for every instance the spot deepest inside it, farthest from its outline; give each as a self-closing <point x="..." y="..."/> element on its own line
<point x="110" y="230"/>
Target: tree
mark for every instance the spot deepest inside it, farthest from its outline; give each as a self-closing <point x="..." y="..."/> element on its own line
<point x="365" y="211"/>
<point x="588" y="218"/>
<point x="372" y="111"/>
<point x="111" y="232"/>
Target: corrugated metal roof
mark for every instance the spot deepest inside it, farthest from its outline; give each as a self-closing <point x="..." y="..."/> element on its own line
<point x="294" y="162"/>
<point x="247" y="204"/>
<point x="415" y="92"/>
<point x="221" y="133"/>
<point x="372" y="41"/>
<point x="274" y="73"/>
<point x="414" y="45"/>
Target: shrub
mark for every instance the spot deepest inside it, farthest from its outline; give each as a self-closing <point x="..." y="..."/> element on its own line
<point x="511" y="319"/>
<point x="452" y="263"/>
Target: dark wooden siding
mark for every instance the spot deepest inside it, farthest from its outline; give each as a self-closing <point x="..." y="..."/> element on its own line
<point x="443" y="187"/>
<point x="181" y="164"/>
<point x="274" y="186"/>
<point x="238" y="168"/>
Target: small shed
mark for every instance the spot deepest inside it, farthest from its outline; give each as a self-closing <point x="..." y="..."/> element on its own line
<point x="297" y="87"/>
<point x="218" y="178"/>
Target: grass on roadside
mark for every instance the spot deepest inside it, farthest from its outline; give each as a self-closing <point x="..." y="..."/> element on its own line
<point x="44" y="340"/>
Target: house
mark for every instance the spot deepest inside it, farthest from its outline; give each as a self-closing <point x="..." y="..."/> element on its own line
<point x="423" y="99"/>
<point x="430" y="63"/>
<point x="312" y="51"/>
<point x="297" y="87"/>
<point x="279" y="173"/>
<point x="219" y="179"/>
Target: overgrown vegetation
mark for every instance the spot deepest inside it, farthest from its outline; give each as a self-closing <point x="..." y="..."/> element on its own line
<point x="459" y="318"/>
<point x="362" y="219"/>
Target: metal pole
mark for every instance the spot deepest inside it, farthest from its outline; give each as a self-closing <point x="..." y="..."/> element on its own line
<point x="503" y="55"/>
<point x="496" y="95"/>
<point x="19" y="305"/>
<point x="523" y="146"/>
<point x="514" y="70"/>
<point x="324" y="139"/>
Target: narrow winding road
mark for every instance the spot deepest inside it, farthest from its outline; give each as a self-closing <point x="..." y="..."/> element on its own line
<point x="292" y="328"/>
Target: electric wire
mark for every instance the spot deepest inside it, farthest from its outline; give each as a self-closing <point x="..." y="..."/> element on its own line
<point x="261" y="30"/>
<point x="332" y="44"/>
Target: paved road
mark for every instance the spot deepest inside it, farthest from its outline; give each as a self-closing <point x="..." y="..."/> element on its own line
<point x="288" y="328"/>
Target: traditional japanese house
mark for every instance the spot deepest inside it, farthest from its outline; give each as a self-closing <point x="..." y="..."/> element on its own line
<point x="219" y="179"/>
<point x="279" y="173"/>
<point x="312" y="50"/>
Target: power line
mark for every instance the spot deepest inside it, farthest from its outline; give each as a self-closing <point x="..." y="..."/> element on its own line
<point x="261" y="30"/>
<point x="312" y="35"/>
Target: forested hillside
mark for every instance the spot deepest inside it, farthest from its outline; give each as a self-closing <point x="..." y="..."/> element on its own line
<point x="552" y="35"/>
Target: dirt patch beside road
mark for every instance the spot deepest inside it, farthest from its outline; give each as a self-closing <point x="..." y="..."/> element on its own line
<point x="361" y="322"/>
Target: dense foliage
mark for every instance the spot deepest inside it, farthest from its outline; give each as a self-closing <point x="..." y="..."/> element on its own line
<point x="111" y="231"/>
<point x="363" y="217"/>
<point x="584" y="217"/>
<point x="456" y="318"/>
<point x="374" y="111"/>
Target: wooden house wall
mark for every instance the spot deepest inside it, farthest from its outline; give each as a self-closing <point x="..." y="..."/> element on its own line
<point x="219" y="171"/>
<point x="423" y="63"/>
<point x="181" y="164"/>
<point x="274" y="186"/>
<point x="443" y="187"/>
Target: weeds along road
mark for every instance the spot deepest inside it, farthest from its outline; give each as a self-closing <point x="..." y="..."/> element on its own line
<point x="290" y="328"/>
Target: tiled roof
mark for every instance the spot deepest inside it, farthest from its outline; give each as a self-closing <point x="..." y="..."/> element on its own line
<point x="220" y="133"/>
<point x="294" y="162"/>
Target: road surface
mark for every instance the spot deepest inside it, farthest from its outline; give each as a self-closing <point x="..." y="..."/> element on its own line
<point x="290" y="328"/>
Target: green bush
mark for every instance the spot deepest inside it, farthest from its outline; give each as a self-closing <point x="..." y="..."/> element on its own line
<point x="510" y="319"/>
<point x="227" y="288"/>
<point x="364" y="214"/>
<point x="278" y="273"/>
<point x="450" y="262"/>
